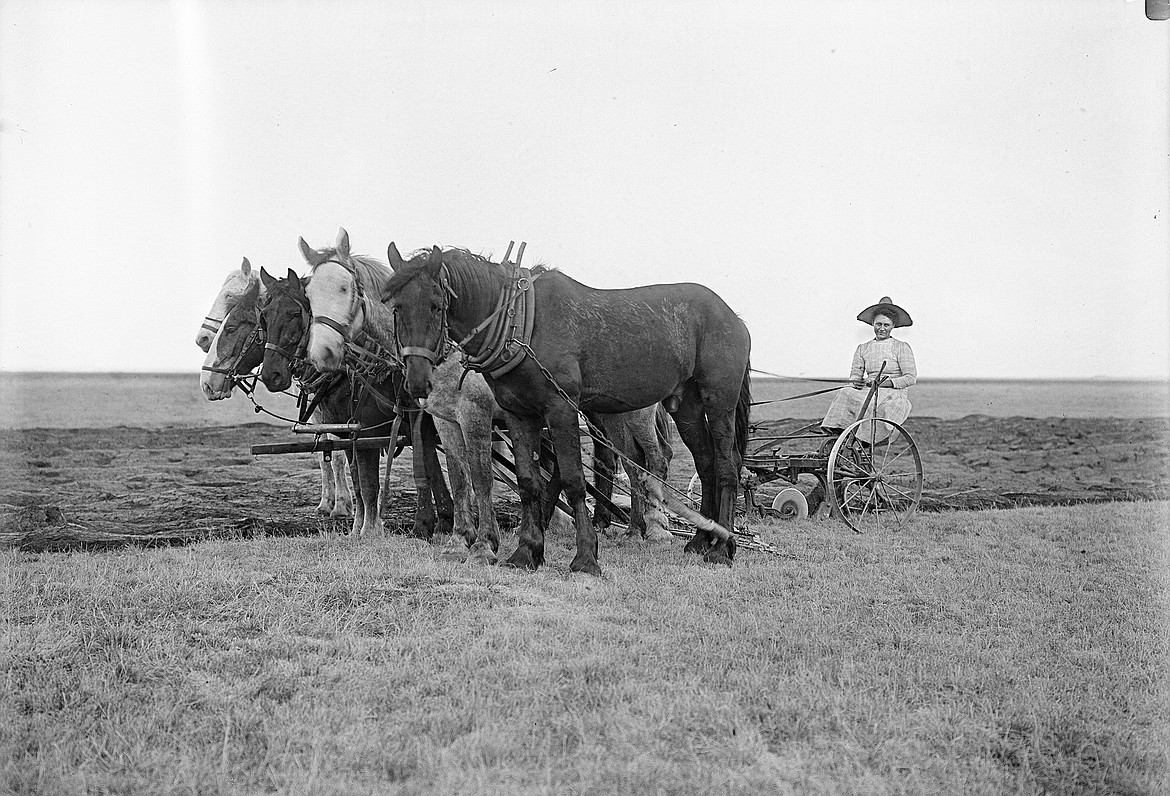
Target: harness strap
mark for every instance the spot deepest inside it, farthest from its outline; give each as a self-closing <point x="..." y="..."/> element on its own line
<point x="509" y="327"/>
<point x="342" y="330"/>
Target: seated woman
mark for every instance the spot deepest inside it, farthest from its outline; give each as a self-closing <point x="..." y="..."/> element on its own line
<point x="899" y="373"/>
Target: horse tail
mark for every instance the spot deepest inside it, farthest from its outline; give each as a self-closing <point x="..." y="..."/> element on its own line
<point x="743" y="411"/>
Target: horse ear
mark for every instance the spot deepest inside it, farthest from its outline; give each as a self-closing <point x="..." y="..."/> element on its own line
<point x="294" y="281"/>
<point x="435" y="259"/>
<point x="342" y="244"/>
<point x="245" y="267"/>
<point x="309" y="253"/>
<point x="267" y="279"/>
<point x="394" y="257"/>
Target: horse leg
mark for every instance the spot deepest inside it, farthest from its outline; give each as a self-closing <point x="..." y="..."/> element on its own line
<point x="424" y="512"/>
<point x="726" y="466"/>
<point x="603" y="470"/>
<point x="566" y="437"/>
<point x="444" y="506"/>
<point x="646" y="486"/>
<point x="359" y="510"/>
<point x="453" y="444"/>
<point x="342" y="486"/>
<point x="367" y="466"/>
<point x="692" y="427"/>
<point x="476" y="421"/>
<point x="328" y="487"/>
<point x="525" y="433"/>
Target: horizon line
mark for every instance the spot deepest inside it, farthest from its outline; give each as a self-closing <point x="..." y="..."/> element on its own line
<point x="802" y="377"/>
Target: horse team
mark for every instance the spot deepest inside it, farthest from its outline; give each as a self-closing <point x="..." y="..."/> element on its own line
<point x="474" y="342"/>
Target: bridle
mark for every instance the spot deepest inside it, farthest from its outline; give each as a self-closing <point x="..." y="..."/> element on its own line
<point x="254" y="338"/>
<point x="356" y="303"/>
<point x="438" y="350"/>
<point x="296" y="357"/>
<point x="211" y="325"/>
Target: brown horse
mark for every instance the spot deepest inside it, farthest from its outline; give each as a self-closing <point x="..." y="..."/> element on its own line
<point x="583" y="349"/>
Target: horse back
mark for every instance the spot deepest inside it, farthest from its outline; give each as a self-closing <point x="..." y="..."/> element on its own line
<point x="633" y="346"/>
<point x="676" y="323"/>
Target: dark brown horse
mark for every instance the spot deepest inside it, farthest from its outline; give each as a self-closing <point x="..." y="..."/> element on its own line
<point x="605" y="351"/>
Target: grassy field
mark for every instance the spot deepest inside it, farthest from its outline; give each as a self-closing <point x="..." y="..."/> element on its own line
<point x="1015" y="651"/>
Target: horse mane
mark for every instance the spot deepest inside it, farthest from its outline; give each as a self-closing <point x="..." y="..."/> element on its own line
<point x="250" y="297"/>
<point x="469" y="265"/>
<point x="369" y="271"/>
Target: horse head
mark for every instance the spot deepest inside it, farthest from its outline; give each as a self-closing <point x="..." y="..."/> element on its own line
<point x="336" y="300"/>
<point x="236" y="349"/>
<point x="419" y="297"/>
<point x="286" y="318"/>
<point x="235" y="285"/>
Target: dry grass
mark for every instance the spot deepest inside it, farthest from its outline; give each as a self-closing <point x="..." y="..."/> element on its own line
<point x="992" y="652"/>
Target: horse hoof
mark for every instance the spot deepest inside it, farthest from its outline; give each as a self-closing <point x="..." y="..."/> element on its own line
<point x="586" y="566"/>
<point x="522" y="559"/>
<point x="481" y="554"/>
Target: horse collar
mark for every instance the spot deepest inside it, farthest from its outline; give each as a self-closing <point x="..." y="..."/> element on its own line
<point x="508" y="327"/>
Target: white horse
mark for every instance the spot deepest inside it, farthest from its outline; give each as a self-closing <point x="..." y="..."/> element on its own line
<point x="336" y="495"/>
<point x="235" y="285"/>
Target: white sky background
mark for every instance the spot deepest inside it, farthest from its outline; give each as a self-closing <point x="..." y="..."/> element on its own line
<point x="1000" y="169"/>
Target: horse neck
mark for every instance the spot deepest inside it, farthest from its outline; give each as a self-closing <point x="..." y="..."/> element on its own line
<point x="478" y="287"/>
<point x="379" y="322"/>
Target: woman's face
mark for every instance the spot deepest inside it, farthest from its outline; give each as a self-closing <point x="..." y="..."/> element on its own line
<point x="882" y="326"/>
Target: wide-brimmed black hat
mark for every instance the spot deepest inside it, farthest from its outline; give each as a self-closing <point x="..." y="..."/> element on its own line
<point x="888" y="308"/>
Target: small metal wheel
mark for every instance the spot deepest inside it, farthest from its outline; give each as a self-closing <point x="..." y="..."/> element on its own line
<point x="875" y="476"/>
<point x="695" y="491"/>
<point x="791" y="504"/>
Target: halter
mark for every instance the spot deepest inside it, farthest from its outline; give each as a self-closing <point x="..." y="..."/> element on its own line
<point x="212" y="324"/>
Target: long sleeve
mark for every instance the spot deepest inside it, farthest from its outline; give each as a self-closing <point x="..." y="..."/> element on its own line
<point x="857" y="371"/>
<point x="907" y="365"/>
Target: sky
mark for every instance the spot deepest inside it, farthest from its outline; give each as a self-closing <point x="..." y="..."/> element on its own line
<point x="999" y="169"/>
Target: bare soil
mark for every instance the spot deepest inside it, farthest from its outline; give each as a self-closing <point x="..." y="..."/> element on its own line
<point x="102" y="486"/>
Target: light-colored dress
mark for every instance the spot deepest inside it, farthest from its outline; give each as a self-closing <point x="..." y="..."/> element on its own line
<point x="892" y="403"/>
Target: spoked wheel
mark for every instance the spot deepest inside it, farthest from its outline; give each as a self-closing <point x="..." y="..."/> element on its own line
<point x="875" y="476"/>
